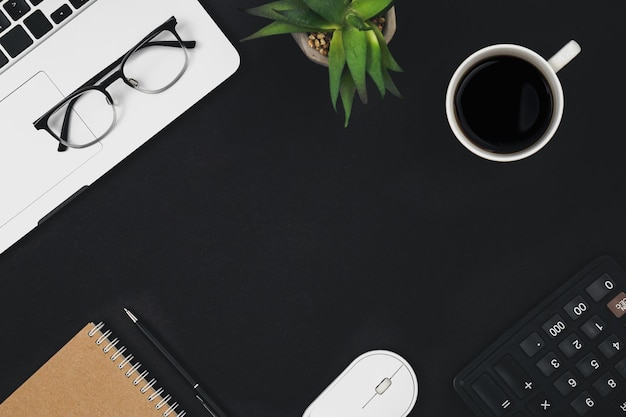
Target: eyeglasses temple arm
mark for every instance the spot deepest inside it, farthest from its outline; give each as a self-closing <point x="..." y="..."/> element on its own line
<point x="66" y="125"/>
<point x="98" y="76"/>
<point x="186" y="44"/>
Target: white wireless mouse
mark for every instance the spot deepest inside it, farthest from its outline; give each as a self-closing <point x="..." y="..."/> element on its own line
<point x="378" y="383"/>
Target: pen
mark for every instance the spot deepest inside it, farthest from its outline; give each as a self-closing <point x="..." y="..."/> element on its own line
<point x="201" y="395"/>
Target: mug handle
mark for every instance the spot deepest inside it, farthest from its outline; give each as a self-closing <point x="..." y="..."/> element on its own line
<point x="564" y="56"/>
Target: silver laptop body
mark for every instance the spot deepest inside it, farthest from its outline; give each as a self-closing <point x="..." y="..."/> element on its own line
<point x="34" y="177"/>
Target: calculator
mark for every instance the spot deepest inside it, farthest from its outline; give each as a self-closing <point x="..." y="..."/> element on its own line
<point x="566" y="358"/>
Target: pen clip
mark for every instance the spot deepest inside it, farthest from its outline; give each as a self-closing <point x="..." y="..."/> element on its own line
<point x="205" y="406"/>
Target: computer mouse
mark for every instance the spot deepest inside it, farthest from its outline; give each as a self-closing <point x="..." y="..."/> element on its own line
<point x="378" y="383"/>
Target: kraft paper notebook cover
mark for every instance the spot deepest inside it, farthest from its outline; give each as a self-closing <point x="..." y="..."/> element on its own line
<point x="92" y="375"/>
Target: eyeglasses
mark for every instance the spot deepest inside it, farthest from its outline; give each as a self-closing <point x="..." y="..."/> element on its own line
<point x="88" y="114"/>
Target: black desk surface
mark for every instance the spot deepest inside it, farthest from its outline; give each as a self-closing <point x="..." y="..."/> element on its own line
<point x="270" y="246"/>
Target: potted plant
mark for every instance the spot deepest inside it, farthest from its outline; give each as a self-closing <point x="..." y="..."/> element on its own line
<point x="357" y="45"/>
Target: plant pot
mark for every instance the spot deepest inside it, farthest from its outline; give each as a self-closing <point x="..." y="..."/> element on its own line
<point x="302" y="39"/>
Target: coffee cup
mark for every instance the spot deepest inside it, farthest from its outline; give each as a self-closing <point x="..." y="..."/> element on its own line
<point x="505" y="102"/>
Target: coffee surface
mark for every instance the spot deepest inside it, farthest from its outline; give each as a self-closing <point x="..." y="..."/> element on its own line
<point x="504" y="104"/>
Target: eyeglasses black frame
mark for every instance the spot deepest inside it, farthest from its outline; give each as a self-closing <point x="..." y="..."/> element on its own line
<point x="98" y="83"/>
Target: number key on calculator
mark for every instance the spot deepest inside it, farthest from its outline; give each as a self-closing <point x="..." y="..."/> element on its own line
<point x="566" y="358"/>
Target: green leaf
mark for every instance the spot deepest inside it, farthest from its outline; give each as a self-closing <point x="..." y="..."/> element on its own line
<point x="368" y="9"/>
<point x="388" y="61"/>
<point x="374" y="62"/>
<point x="347" y="94"/>
<point x="331" y="10"/>
<point x="336" y="65"/>
<point x="275" y="28"/>
<point x="270" y="10"/>
<point x="307" y="18"/>
<point x="357" y="22"/>
<point x="389" y="84"/>
<point x="355" y="45"/>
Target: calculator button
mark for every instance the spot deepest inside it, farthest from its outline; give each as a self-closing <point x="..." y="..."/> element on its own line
<point x="583" y="404"/>
<point x="618" y="305"/>
<point x="619" y="406"/>
<point x="611" y="346"/>
<point x="621" y="367"/>
<point x="606" y="384"/>
<point x="540" y="406"/>
<point x="601" y="287"/>
<point x="566" y="383"/>
<point x="576" y="308"/>
<point x="588" y="365"/>
<point x="554" y="326"/>
<point x="549" y="364"/>
<point x="593" y="327"/>
<point x="514" y="376"/>
<point x="532" y="344"/>
<point x="571" y="345"/>
<point x="492" y="395"/>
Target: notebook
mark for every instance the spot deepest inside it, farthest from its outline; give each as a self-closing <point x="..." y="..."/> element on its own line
<point x="92" y="375"/>
<point x="47" y="50"/>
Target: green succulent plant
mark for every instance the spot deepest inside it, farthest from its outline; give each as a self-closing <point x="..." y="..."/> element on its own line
<point x="357" y="48"/>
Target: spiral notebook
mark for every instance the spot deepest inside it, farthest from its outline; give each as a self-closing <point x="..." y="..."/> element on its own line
<point x="92" y="375"/>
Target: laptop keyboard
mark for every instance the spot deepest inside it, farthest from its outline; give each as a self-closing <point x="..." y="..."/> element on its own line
<point x="566" y="358"/>
<point x="24" y="24"/>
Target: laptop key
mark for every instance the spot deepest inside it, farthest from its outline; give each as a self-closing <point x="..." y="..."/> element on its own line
<point x="78" y="3"/>
<point x="16" y="8"/>
<point x="4" y="22"/>
<point x="16" y="41"/>
<point x="3" y="60"/>
<point x="61" y="14"/>
<point x="35" y="2"/>
<point x="38" y="24"/>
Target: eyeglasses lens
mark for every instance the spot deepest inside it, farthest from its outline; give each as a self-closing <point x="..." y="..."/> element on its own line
<point x="83" y="120"/>
<point x="156" y="64"/>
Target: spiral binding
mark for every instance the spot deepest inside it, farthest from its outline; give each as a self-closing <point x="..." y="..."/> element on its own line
<point x="118" y="352"/>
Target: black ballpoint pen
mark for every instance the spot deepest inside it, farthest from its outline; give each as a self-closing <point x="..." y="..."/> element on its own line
<point x="201" y="395"/>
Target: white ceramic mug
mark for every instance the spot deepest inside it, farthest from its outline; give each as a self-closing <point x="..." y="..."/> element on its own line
<point x="548" y="68"/>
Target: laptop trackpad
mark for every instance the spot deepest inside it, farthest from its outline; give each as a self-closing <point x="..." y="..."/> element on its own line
<point x="29" y="162"/>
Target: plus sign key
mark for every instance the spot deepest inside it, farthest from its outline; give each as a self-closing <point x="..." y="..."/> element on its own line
<point x="514" y="376"/>
<point x="540" y="406"/>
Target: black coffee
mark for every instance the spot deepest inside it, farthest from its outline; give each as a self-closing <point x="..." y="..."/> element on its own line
<point x="504" y="104"/>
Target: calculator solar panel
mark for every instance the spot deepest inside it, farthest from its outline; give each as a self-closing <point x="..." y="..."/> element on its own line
<point x="566" y="358"/>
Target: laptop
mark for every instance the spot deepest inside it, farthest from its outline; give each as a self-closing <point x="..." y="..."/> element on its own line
<point x="48" y="49"/>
